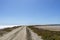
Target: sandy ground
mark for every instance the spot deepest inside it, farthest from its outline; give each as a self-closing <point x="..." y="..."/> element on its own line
<point x="52" y="28"/>
<point x="22" y="33"/>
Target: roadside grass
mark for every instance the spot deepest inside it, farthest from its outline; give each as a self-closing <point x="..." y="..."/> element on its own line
<point x="46" y="34"/>
<point x="7" y="30"/>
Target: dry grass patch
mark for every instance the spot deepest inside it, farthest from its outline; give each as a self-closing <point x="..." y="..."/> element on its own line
<point x="7" y="30"/>
<point x="46" y="34"/>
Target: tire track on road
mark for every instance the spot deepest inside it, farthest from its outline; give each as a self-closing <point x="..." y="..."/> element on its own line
<point x="11" y="34"/>
<point x="33" y="35"/>
<point x="28" y="37"/>
<point x="16" y="33"/>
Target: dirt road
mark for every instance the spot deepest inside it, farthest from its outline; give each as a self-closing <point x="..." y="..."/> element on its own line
<point x="22" y="33"/>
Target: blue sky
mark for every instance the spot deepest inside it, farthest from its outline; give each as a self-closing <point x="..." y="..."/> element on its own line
<point x="17" y="12"/>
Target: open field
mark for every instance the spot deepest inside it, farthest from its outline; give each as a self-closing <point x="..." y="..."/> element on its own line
<point x="46" y="32"/>
<point x="34" y="32"/>
<point x="52" y="28"/>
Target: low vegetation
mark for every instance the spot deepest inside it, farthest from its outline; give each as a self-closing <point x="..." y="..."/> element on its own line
<point x="46" y="34"/>
<point x="7" y="30"/>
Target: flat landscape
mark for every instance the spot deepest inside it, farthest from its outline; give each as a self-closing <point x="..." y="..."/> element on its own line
<point x="29" y="19"/>
<point x="31" y="32"/>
